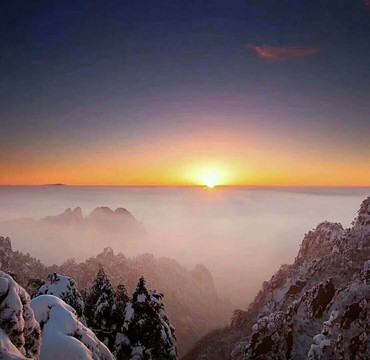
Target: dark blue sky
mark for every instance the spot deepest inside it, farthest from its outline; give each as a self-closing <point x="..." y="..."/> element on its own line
<point x="75" y="73"/>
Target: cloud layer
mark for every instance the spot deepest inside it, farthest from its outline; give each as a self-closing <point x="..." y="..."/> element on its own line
<point x="276" y="53"/>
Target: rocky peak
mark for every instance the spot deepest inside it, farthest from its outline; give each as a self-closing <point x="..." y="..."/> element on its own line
<point x="319" y="242"/>
<point x="69" y="216"/>
<point x="101" y="211"/>
<point x="327" y="287"/>
<point x="202" y="274"/>
<point x="363" y="218"/>
<point x="77" y="213"/>
<point x="107" y="253"/>
<point x="203" y="277"/>
<point x="106" y="215"/>
<point x="5" y="243"/>
<point x="361" y="227"/>
<point x="100" y="216"/>
<point x="123" y="212"/>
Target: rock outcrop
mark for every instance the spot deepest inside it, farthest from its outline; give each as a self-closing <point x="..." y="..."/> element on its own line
<point x="316" y="308"/>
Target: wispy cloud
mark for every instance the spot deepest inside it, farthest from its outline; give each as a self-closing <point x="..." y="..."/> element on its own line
<point x="277" y="53"/>
<point x="100" y="153"/>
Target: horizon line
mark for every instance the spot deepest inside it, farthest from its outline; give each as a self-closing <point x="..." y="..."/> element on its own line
<point x="185" y="186"/>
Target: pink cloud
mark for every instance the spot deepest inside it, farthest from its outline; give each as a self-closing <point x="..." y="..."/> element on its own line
<point x="276" y="53"/>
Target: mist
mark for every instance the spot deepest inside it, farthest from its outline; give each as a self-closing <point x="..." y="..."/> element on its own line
<point x="242" y="235"/>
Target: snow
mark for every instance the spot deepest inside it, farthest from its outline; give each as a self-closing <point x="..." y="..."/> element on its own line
<point x="64" y="288"/>
<point x="7" y="350"/>
<point x="17" y="320"/>
<point x="333" y="302"/>
<point x="129" y="313"/>
<point x="64" y="336"/>
<point x="137" y="353"/>
<point x="141" y="298"/>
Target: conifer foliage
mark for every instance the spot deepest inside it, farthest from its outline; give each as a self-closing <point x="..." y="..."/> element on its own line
<point x="64" y="288"/>
<point x="133" y="329"/>
<point x="20" y="335"/>
<point x="121" y="301"/>
<point x="147" y="333"/>
<point x="100" y="302"/>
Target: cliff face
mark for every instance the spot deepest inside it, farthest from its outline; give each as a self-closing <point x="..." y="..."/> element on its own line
<point x="316" y="308"/>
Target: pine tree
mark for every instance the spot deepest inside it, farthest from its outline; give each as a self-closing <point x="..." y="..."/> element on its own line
<point x="19" y="331"/>
<point x="64" y="288"/>
<point x="100" y="301"/>
<point x="121" y="301"/>
<point x="147" y="330"/>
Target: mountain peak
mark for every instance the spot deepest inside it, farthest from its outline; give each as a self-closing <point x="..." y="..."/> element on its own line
<point x="5" y="243"/>
<point x="101" y="210"/>
<point x="319" y="242"/>
<point x="69" y="216"/>
<point x="362" y="222"/>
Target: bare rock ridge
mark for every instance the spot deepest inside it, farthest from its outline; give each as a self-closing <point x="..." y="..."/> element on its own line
<point x="316" y="308"/>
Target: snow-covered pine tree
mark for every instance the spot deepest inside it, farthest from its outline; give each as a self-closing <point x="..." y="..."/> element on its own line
<point x="64" y="288"/>
<point x="63" y="334"/>
<point x="147" y="332"/>
<point x="99" y="306"/>
<point x="167" y="331"/>
<point x="121" y="301"/>
<point x="20" y="335"/>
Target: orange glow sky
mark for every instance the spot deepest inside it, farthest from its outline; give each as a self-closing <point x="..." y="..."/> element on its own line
<point x="184" y="159"/>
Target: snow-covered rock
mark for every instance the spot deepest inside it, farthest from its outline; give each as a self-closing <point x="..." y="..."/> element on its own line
<point x="63" y="335"/>
<point x="325" y="313"/>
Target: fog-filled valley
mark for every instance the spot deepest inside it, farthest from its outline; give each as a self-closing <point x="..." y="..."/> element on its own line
<point x="242" y="235"/>
<point x="206" y="251"/>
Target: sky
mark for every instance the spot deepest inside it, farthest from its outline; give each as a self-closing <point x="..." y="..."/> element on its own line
<point x="172" y="92"/>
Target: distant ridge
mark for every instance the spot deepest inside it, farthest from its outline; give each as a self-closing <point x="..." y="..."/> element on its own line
<point x="55" y="184"/>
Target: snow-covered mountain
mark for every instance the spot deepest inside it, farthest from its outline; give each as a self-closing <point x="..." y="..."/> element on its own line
<point x="316" y="308"/>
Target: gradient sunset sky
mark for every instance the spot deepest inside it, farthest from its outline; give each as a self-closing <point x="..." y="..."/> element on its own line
<point x="163" y="92"/>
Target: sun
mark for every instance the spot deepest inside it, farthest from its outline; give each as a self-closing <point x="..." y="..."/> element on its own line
<point x="210" y="180"/>
<point x="209" y="174"/>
